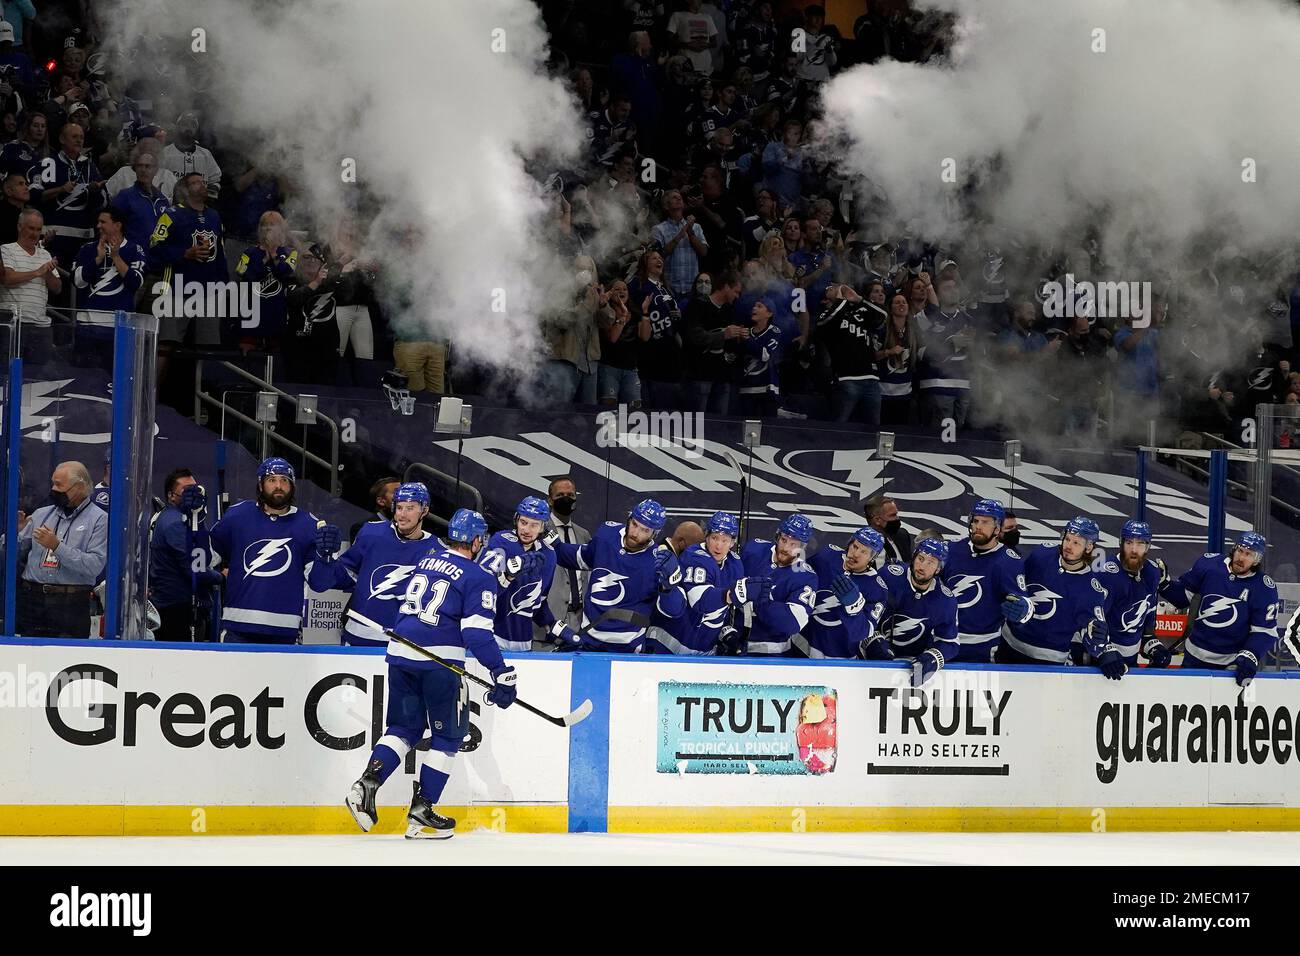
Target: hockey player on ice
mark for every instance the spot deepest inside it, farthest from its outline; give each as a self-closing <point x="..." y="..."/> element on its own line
<point x="1131" y="597"/>
<point x="989" y="582"/>
<point x="779" y="587"/>
<point x="377" y="566"/>
<point x="1068" y="600"/>
<point x="523" y="596"/>
<point x="850" y="599"/>
<point x="449" y="606"/>
<point x="268" y="547"/>
<point x="920" y="619"/>
<point x="628" y="578"/>
<point x="709" y="570"/>
<point x="1236" y="623"/>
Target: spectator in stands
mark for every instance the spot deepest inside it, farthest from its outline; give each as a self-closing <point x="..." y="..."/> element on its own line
<point x="759" y="226"/>
<point x="186" y="156"/>
<point x="1081" y="358"/>
<point x="16" y="14"/>
<point x="1137" y="374"/>
<point x="898" y="354"/>
<point x="784" y="89"/>
<point x="947" y="331"/>
<point x="760" y="381"/>
<point x="62" y="549"/>
<point x="638" y="75"/>
<point x="270" y="265"/>
<point x="612" y="131"/>
<point x="164" y="180"/>
<point x="714" y="345"/>
<point x="188" y="245"/>
<point x="590" y="99"/>
<point x="786" y="166"/>
<point x="1021" y="338"/>
<point x="718" y="217"/>
<point x="110" y="270"/>
<point x="817" y="49"/>
<point x="776" y="278"/>
<point x="72" y="197"/>
<point x="683" y="244"/>
<point x="617" y="379"/>
<point x="574" y="336"/>
<point x="881" y="513"/>
<point x="722" y="113"/>
<point x="850" y="328"/>
<point x="313" y="306"/>
<point x="30" y="275"/>
<point x="565" y="596"/>
<point x="31" y="146"/>
<point x="148" y="195"/>
<point x="758" y="40"/>
<point x="16" y="196"/>
<point x="815" y="267"/>
<point x="175" y="583"/>
<point x="696" y="35"/>
<point x="659" y="332"/>
<point x="257" y="192"/>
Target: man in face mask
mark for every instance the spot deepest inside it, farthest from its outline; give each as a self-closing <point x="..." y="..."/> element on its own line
<point x="565" y="595"/>
<point x="1010" y="529"/>
<point x="882" y="514"/>
<point x="62" y="548"/>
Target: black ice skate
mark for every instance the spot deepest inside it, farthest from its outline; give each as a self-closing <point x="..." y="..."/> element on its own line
<point x="360" y="800"/>
<point x="424" y="823"/>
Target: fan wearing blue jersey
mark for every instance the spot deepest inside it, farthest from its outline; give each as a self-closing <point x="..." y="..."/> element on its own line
<point x="989" y="582"/>
<point x="1131" y="598"/>
<point x="1236" y="623"/>
<point x="779" y="588"/>
<point x="1069" y="600"/>
<point x="628" y="578"/>
<point x="850" y="600"/>
<point x="920" y="619"/>
<point x="525" y="569"/>
<point x="709" y="570"/>
<point x="377" y="566"/>
<point x="268" y="547"/>
<point x="448" y="608"/>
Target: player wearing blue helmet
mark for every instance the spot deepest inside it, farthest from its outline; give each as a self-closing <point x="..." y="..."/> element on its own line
<point x="377" y="566"/>
<point x="448" y="608"/>
<point x="920" y="617"/>
<point x="779" y="589"/>
<point x="709" y="572"/>
<point x="988" y="581"/>
<point x="850" y="600"/>
<point x="525" y="569"/>
<point x="268" y="547"/>
<point x="1235" y="624"/>
<point x="1131" y="599"/>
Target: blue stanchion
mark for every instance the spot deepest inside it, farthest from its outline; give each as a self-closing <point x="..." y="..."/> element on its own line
<point x="14" y="433"/>
<point x="1218" y="500"/>
<point x="119" y="471"/>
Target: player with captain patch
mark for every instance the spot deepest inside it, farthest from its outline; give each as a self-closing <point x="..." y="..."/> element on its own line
<point x="1236" y="623"/>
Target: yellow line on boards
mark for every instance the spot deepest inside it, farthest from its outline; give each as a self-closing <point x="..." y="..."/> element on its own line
<point x="626" y="819"/>
<point x="65" y="820"/>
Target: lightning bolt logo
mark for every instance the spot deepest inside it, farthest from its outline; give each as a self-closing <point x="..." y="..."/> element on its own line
<point x="905" y="630"/>
<point x="606" y="588"/>
<point x="827" y="602"/>
<point x="526" y="599"/>
<point x="1132" y="619"/>
<point x="962" y="583"/>
<point x="258" y="565"/>
<point x="1214" y="608"/>
<point x="387" y="588"/>
<point x="1044" y="601"/>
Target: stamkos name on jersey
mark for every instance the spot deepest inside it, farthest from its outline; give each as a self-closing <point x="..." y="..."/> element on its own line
<point x="441" y="566"/>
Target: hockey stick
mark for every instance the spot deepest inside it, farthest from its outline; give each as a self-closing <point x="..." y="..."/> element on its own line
<point x="744" y="491"/>
<point x="576" y="716"/>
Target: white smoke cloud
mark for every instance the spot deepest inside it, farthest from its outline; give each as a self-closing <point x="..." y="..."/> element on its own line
<point x="1154" y="129"/>
<point x="438" y="121"/>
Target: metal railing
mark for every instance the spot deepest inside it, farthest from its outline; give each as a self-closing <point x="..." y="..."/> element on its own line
<point x="442" y="476"/>
<point x="1240" y="453"/>
<point x="202" y="397"/>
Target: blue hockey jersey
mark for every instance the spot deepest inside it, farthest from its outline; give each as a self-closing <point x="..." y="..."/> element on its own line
<point x="269" y="557"/>
<point x="523" y="602"/>
<point x="915" y="620"/>
<point x="103" y="288"/>
<point x="1064" y="604"/>
<point x="376" y="569"/>
<point x="449" y="606"/>
<point x="704" y="587"/>
<point x="981" y="581"/>
<point x="617" y="581"/>
<point x="1130" y="606"/>
<point x="773" y="625"/>
<point x="835" y="630"/>
<point x="272" y="278"/>
<point x="1237" y="612"/>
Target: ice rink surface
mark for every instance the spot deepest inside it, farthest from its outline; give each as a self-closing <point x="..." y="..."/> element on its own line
<point x="764" y="849"/>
